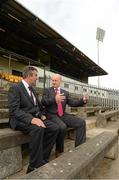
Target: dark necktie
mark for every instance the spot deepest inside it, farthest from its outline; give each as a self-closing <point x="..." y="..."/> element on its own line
<point x="59" y="105"/>
<point x="31" y="93"/>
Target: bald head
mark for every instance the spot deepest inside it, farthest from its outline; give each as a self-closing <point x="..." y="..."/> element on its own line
<point x="56" y="76"/>
<point x="56" y="80"/>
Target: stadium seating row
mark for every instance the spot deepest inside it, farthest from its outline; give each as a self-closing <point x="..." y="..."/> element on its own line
<point x="10" y="77"/>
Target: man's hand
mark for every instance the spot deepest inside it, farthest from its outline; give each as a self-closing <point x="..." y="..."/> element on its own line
<point x="43" y="117"/>
<point x="59" y="97"/>
<point x="38" y="122"/>
<point x="85" y="98"/>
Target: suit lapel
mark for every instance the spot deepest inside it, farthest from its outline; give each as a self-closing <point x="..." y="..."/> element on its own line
<point x="36" y="96"/>
<point x="64" y="102"/>
<point x="53" y="91"/>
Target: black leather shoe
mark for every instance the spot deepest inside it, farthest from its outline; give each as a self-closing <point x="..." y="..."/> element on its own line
<point x="30" y="169"/>
<point x="45" y="161"/>
<point x="58" y="153"/>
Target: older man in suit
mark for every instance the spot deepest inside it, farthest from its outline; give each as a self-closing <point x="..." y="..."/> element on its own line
<point x="55" y="100"/>
<point x="27" y="114"/>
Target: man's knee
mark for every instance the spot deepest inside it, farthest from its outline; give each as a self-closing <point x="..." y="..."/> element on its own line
<point x="55" y="129"/>
<point x="37" y="130"/>
<point x="81" y="122"/>
<point x="63" y="128"/>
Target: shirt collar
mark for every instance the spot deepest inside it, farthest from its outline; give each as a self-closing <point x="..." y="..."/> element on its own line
<point x="25" y="84"/>
<point x="57" y="88"/>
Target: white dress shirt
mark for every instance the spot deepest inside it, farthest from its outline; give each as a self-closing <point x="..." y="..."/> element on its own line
<point x="26" y="86"/>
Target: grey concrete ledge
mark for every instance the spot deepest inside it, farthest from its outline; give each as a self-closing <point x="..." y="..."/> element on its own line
<point x="79" y="162"/>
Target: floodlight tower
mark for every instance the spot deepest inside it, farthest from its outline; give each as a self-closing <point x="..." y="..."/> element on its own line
<point x="99" y="37"/>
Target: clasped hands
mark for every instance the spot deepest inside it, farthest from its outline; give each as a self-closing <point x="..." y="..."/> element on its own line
<point x="59" y="98"/>
<point x="39" y="122"/>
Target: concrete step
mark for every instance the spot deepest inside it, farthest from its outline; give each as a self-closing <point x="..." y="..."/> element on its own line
<point x="96" y="131"/>
<point x="112" y="126"/>
<point x="3" y="103"/>
<point x="90" y="123"/>
<point x="69" y="144"/>
<point x="4" y="113"/>
<point x="3" y="91"/>
<point x="4" y="123"/>
<point x="3" y="96"/>
<point x="4" y="120"/>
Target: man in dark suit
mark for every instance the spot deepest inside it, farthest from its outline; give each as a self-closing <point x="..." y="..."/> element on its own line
<point x="54" y="97"/>
<point x="27" y="114"/>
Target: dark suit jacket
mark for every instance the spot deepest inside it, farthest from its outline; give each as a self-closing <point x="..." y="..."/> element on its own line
<point x="21" y="107"/>
<point x="48" y="100"/>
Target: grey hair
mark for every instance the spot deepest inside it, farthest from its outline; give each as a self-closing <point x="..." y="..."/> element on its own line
<point x="28" y="71"/>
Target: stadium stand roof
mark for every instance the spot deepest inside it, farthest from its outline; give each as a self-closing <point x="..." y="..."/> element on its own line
<point x="29" y="39"/>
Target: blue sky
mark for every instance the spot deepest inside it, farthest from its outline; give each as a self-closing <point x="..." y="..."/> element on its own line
<point x="77" y="21"/>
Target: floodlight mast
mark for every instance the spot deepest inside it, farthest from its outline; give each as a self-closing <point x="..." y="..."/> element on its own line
<point x="99" y="37"/>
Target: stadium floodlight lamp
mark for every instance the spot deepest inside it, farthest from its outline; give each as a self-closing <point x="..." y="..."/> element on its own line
<point x="100" y="34"/>
<point x="99" y="37"/>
